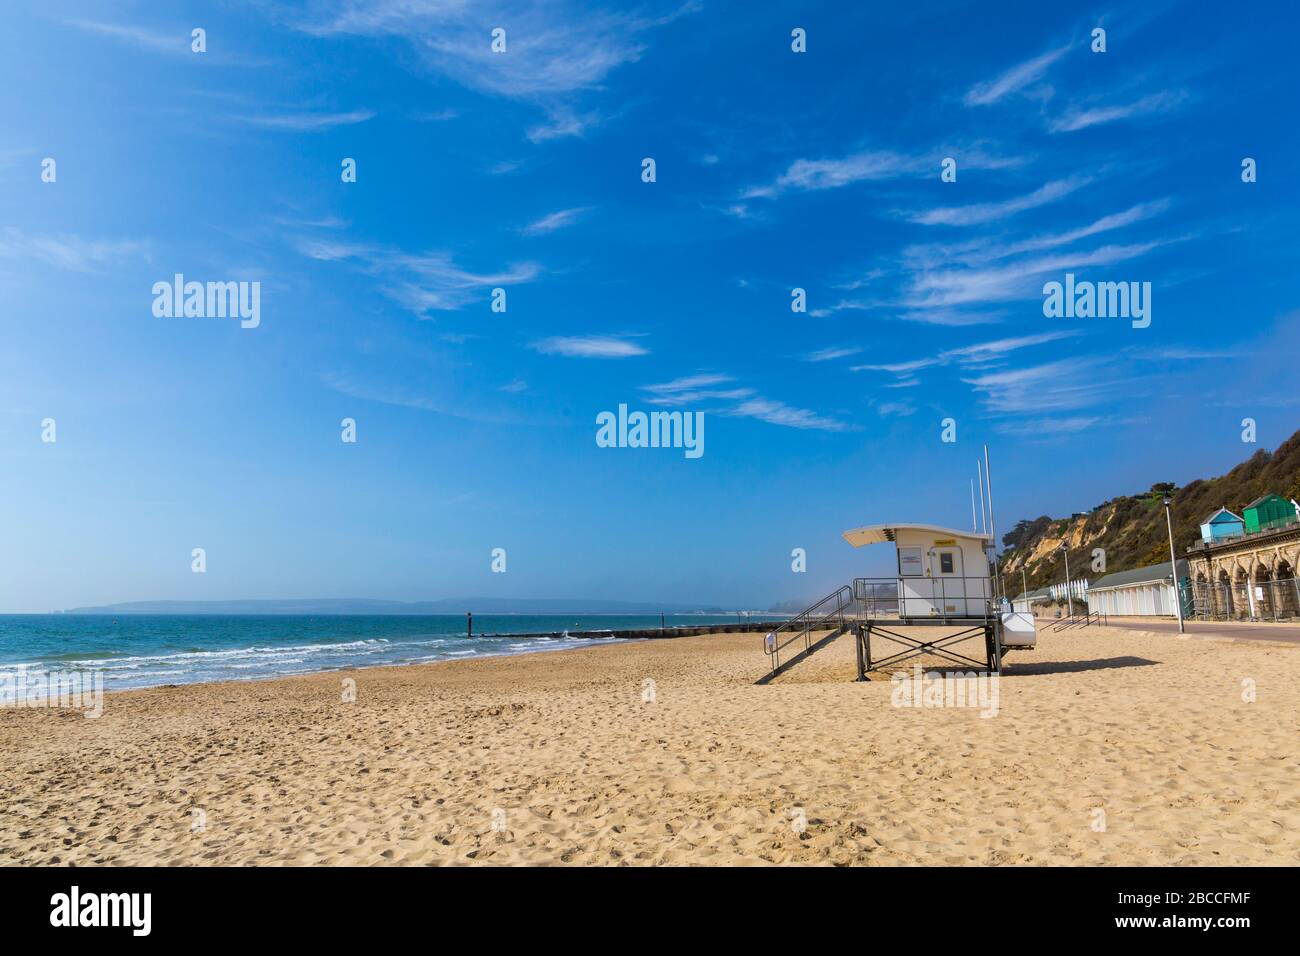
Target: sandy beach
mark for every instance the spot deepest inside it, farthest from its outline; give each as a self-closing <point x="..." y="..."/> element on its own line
<point x="1109" y="747"/>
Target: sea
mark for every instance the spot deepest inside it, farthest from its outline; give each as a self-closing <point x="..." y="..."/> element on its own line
<point x="148" y="650"/>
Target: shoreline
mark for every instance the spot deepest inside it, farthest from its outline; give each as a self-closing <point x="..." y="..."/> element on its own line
<point x="586" y="636"/>
<point x="669" y="753"/>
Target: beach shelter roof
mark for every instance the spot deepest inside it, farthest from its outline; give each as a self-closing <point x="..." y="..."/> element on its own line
<point x="1152" y="574"/>
<point x="880" y="533"/>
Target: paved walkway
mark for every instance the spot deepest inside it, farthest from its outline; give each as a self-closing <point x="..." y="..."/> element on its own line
<point x="1264" y="631"/>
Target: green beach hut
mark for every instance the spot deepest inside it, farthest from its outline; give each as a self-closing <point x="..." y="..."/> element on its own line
<point x="1268" y="511"/>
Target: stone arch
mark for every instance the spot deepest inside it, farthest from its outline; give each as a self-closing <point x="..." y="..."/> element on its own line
<point x="1261" y="578"/>
<point x="1284" y="584"/>
<point x="1202" y="595"/>
<point x="1291" y="557"/>
<point x="1241" y="596"/>
<point x="1224" y="604"/>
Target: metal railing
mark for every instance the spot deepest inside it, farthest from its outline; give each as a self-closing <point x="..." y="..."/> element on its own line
<point x="1246" y="600"/>
<point x="1080" y="620"/>
<point x="827" y="614"/>
<point x="1272" y="524"/>
<point x="936" y="598"/>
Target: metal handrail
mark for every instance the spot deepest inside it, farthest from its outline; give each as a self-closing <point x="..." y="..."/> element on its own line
<point x="805" y="622"/>
<point x="976" y="599"/>
<point x="1079" y="620"/>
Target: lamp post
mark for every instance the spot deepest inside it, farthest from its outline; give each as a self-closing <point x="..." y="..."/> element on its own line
<point x="1173" y="564"/>
<point x="1069" y="594"/>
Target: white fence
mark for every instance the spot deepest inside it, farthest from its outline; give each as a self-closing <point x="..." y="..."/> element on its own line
<point x="1078" y="587"/>
<point x="1151" y="598"/>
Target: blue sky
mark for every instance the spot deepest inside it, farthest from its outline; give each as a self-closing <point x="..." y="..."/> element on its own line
<point x="522" y="171"/>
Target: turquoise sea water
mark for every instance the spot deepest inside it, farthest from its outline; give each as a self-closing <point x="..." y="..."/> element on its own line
<point x="149" y="650"/>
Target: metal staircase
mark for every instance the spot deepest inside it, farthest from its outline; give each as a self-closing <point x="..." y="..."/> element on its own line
<point x="937" y="614"/>
<point x="832" y="613"/>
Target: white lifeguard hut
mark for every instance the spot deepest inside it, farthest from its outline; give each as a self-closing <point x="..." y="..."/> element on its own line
<point x="944" y="592"/>
<point x="944" y="578"/>
<point x="942" y="573"/>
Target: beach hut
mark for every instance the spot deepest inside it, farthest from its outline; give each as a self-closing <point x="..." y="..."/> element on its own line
<point x="1026" y="601"/>
<point x="1140" y="592"/>
<point x="1267" y="512"/>
<point x="1221" y="525"/>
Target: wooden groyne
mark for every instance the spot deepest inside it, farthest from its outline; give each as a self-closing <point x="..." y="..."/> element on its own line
<point x="656" y="633"/>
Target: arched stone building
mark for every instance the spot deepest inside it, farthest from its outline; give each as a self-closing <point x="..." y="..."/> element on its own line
<point x="1253" y="576"/>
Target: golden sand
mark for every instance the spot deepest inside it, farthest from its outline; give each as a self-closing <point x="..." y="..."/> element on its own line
<point x="560" y="758"/>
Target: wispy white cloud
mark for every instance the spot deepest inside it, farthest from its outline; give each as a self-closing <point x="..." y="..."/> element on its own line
<point x="989" y="249"/>
<point x="1050" y="427"/>
<point x="898" y="409"/>
<point x="70" y="252"/>
<point x="518" y="385"/>
<point x="948" y="288"/>
<point x="832" y="353"/>
<point x="861" y="281"/>
<point x="554" y="221"/>
<point x="177" y="44"/>
<point x="320" y="222"/>
<point x="809" y="175"/>
<point x="950" y="318"/>
<point x="740" y="402"/>
<point x="968" y="354"/>
<point x="307" y="122"/>
<point x="845" y="305"/>
<point x="421" y="282"/>
<point x="589" y="346"/>
<point x="898" y="368"/>
<point x="377" y="388"/>
<point x="1061" y="385"/>
<point x="435" y="116"/>
<point x="695" y="389"/>
<point x="779" y="413"/>
<point x="1185" y="354"/>
<point x="812" y="174"/>
<point x="978" y="213"/>
<point x="1015" y="79"/>
<point x="1153" y="104"/>
<point x="688" y="383"/>
<point x="554" y="51"/>
<point x="960" y="283"/>
<point x="561" y="123"/>
<point x="737" y="210"/>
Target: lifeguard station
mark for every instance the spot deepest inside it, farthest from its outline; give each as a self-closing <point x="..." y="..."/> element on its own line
<point x="942" y="595"/>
